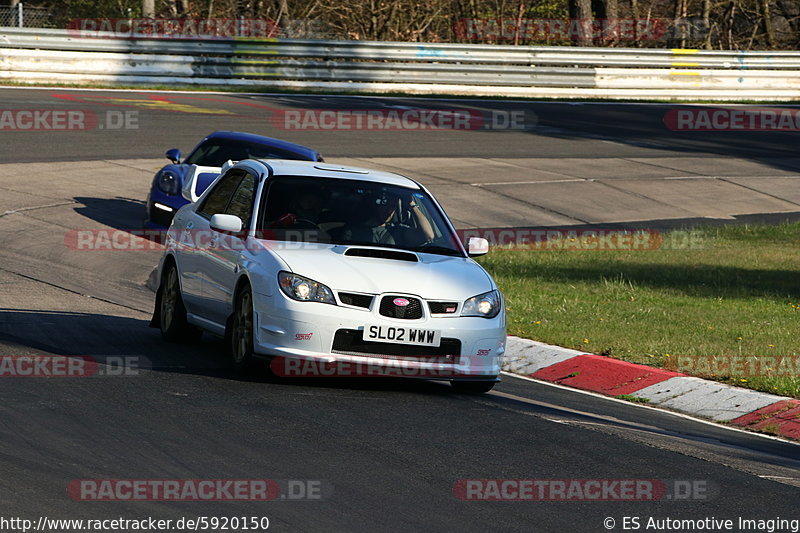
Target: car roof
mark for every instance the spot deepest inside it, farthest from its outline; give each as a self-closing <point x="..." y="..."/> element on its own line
<point x="285" y="167"/>
<point x="262" y="139"/>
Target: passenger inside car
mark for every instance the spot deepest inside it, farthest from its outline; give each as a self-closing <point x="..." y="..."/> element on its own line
<point x="373" y="223"/>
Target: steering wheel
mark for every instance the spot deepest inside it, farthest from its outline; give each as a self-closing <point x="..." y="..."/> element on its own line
<point x="290" y="220"/>
<point x="304" y="224"/>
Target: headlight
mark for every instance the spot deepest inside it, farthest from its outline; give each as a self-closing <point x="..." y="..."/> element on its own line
<point x="168" y="182"/>
<point x="486" y="305"/>
<point x="304" y="289"/>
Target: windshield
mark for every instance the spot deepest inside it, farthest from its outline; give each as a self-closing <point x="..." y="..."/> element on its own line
<point x="215" y="152"/>
<point x="340" y="211"/>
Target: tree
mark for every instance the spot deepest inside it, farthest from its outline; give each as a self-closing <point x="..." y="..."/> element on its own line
<point x="581" y="10"/>
<point x="608" y="11"/>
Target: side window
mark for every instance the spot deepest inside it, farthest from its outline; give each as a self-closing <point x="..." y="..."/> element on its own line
<point x="217" y="200"/>
<point x="242" y="202"/>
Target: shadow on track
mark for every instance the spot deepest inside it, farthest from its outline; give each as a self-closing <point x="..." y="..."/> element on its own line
<point x="106" y="339"/>
<point x="118" y="213"/>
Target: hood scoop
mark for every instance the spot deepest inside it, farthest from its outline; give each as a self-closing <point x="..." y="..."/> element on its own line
<point x="381" y="253"/>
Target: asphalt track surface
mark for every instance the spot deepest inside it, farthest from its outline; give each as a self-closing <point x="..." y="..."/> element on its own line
<point x="387" y="453"/>
<point x="569" y="129"/>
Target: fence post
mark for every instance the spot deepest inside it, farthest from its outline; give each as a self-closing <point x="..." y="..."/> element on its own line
<point x="19" y="15"/>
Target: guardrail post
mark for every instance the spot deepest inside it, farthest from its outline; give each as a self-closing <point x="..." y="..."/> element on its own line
<point x="19" y="15"/>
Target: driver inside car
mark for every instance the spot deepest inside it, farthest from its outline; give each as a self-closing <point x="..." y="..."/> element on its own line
<point x="306" y="207"/>
<point x="303" y="215"/>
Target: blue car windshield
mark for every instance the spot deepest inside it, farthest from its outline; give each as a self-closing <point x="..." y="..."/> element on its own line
<point x="343" y="211"/>
<point x="215" y="152"/>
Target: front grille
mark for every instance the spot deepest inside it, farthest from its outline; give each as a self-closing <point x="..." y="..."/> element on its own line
<point x="356" y="300"/>
<point x="442" y="308"/>
<point x="412" y="311"/>
<point x="351" y="342"/>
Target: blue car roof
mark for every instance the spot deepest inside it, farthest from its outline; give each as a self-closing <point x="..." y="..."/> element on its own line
<point x="299" y="149"/>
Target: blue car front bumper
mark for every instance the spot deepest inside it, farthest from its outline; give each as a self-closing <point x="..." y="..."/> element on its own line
<point x="161" y="208"/>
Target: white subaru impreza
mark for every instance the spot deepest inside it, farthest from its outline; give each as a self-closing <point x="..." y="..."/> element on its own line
<point x="322" y="264"/>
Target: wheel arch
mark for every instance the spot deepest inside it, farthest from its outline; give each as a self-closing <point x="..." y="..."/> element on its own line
<point x="168" y="259"/>
<point x="242" y="281"/>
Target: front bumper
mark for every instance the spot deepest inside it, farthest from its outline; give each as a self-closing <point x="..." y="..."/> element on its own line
<point x="160" y="216"/>
<point x="471" y="347"/>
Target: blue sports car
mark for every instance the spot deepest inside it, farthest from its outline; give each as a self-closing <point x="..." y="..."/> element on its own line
<point x="215" y="150"/>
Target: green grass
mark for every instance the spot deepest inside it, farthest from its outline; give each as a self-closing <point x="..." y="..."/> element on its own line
<point x="632" y="398"/>
<point x="736" y="293"/>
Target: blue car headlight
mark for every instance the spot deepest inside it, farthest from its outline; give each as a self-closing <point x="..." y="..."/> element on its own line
<point x="486" y="305"/>
<point x="304" y="289"/>
<point x="168" y="182"/>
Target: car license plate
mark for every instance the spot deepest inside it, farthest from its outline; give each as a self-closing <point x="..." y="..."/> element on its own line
<point x="400" y="335"/>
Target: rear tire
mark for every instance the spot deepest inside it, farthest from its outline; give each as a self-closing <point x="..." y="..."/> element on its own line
<point x="241" y="337"/>
<point x="172" y="321"/>
<point x="472" y="387"/>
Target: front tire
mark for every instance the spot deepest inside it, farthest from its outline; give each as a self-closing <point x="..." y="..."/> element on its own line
<point x="172" y="320"/>
<point x="472" y="387"/>
<point x="241" y="337"/>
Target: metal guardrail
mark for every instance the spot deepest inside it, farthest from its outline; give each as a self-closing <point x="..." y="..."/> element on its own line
<point x="60" y="55"/>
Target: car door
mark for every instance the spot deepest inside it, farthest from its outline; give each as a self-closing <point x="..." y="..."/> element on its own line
<point x="203" y="258"/>
<point x="185" y="250"/>
<point x="224" y="251"/>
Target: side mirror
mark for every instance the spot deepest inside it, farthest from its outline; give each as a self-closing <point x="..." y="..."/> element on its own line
<point x="477" y="246"/>
<point x="174" y="155"/>
<point x="226" y="223"/>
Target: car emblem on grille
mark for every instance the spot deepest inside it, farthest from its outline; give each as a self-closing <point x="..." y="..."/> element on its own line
<point x="400" y="302"/>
